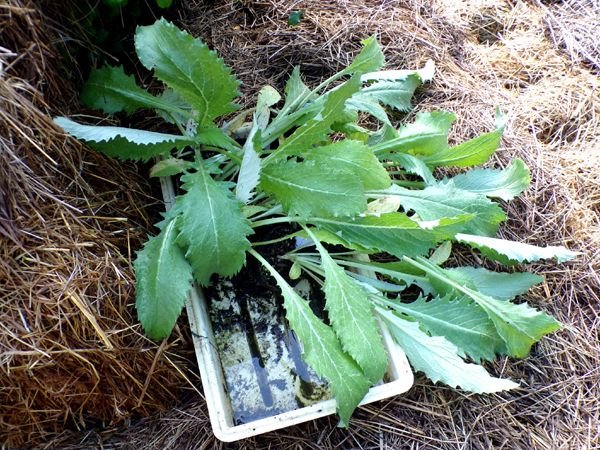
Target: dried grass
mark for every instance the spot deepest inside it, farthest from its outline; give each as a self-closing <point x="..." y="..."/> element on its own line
<point x="71" y="354"/>
<point x="488" y="54"/>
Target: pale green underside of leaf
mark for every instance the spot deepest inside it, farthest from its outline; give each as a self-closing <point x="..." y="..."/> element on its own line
<point x="437" y="202"/>
<point x="110" y="90"/>
<point x="459" y="320"/>
<point x="439" y="360"/>
<point x="351" y="316"/>
<point x="497" y="183"/>
<point x="307" y="189"/>
<point x="520" y="326"/>
<point x="500" y="285"/>
<point x="353" y="158"/>
<point x="188" y="67"/>
<point x="163" y="281"/>
<point x="393" y="233"/>
<point x="212" y="228"/>
<point x="125" y="143"/>
<point x="322" y="351"/>
<point x="511" y="252"/>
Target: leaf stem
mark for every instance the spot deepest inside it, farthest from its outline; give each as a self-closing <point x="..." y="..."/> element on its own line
<point x="273" y="241"/>
<point x="276" y="220"/>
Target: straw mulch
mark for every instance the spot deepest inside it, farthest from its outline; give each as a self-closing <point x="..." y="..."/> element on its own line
<point x="509" y="54"/>
<point x="71" y="354"/>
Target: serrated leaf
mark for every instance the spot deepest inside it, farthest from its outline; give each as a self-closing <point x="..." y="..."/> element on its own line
<point x="498" y="183"/>
<point x="351" y="157"/>
<point x="163" y="281"/>
<point x="427" y="135"/>
<point x="305" y="189"/>
<point x="321" y="350"/>
<point x="439" y="360"/>
<point x="351" y="316"/>
<point x="437" y="202"/>
<point x="511" y="252"/>
<point x="470" y="153"/>
<point x="500" y="285"/>
<point x="213" y="229"/>
<point x="188" y="67"/>
<point x="169" y="167"/>
<point x="125" y="143"/>
<point x="395" y="94"/>
<point x="393" y="233"/>
<point x="317" y="128"/>
<point x="110" y="90"/>
<point x="520" y="326"/>
<point x="460" y="321"/>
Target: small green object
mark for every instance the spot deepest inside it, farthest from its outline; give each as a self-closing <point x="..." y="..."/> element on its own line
<point x="295" y="17"/>
<point x="164" y="4"/>
<point x="116" y="3"/>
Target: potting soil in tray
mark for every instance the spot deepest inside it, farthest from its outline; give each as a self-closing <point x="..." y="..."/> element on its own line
<point x="261" y="358"/>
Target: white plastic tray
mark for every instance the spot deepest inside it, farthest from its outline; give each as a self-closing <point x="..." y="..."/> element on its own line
<point x="400" y="377"/>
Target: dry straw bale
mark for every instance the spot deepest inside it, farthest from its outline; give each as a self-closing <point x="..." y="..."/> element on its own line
<point x="71" y="354"/>
<point x="488" y="54"/>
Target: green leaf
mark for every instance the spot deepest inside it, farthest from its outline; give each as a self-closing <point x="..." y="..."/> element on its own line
<point x="369" y="106"/>
<point x="321" y="349"/>
<point x="470" y="153"/>
<point x="511" y="252"/>
<point x="317" y="128"/>
<point x="498" y="183"/>
<point x="437" y="202"/>
<point x="351" y="316"/>
<point x="212" y="228"/>
<point x="395" y="94"/>
<point x="439" y="360"/>
<point x="306" y="189"/>
<point x="369" y="59"/>
<point x="164" y="4"/>
<point x="393" y="233"/>
<point x="249" y="175"/>
<point x="181" y="110"/>
<point x="500" y="285"/>
<point x="188" y="67"/>
<point x="295" y="89"/>
<point x="294" y="18"/>
<point x="169" y="167"/>
<point x="110" y="90"/>
<point x="353" y="158"/>
<point x="460" y="321"/>
<point x="520" y="326"/>
<point x="125" y="143"/>
<point x="427" y="135"/>
<point x="413" y="165"/>
<point x="163" y="281"/>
